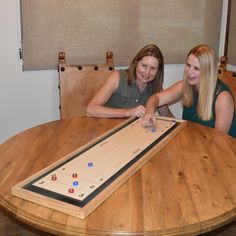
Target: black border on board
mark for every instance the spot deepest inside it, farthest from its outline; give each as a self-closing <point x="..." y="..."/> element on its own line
<point x="29" y="186"/>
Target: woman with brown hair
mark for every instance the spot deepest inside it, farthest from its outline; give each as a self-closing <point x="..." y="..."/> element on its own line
<point x="125" y="92"/>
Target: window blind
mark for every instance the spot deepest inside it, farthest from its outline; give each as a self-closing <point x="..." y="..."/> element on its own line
<point x="86" y="29"/>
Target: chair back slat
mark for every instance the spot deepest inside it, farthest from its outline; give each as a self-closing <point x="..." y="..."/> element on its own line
<point x="78" y="83"/>
<point x="227" y="76"/>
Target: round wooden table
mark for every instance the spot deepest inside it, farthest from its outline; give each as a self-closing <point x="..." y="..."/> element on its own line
<point x="187" y="188"/>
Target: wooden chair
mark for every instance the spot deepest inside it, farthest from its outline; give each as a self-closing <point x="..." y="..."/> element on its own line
<point x="78" y="83"/>
<point x="227" y="76"/>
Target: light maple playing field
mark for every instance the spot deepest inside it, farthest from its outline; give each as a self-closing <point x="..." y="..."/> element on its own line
<point x="81" y="177"/>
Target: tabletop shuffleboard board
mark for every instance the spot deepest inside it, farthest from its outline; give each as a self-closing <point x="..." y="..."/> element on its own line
<point x="79" y="182"/>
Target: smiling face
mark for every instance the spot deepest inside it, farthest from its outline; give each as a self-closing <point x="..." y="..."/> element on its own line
<point x="192" y="70"/>
<point x="146" y="70"/>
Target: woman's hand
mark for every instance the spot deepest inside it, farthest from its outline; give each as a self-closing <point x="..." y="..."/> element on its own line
<point x="149" y="119"/>
<point x="138" y="111"/>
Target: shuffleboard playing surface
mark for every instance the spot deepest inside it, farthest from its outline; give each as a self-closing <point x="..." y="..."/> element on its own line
<point x="80" y="182"/>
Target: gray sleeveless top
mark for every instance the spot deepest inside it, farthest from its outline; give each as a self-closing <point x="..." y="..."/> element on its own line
<point x="129" y="96"/>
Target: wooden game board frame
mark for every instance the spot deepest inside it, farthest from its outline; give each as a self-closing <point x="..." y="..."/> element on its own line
<point x="23" y="190"/>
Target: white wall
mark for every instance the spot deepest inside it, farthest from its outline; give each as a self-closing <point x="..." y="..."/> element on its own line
<point x="31" y="98"/>
<point x="26" y="98"/>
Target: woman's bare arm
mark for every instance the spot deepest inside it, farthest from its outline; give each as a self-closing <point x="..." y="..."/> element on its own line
<point x="224" y="111"/>
<point x="164" y="97"/>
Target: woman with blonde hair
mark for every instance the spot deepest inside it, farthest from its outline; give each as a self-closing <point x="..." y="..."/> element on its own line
<point x="125" y="92"/>
<point x="206" y="100"/>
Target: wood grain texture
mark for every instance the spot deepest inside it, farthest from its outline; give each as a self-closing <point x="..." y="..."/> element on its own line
<point x="134" y="141"/>
<point x="187" y="188"/>
<point x="78" y="84"/>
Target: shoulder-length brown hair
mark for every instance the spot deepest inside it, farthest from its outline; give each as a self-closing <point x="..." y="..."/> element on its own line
<point x="208" y="79"/>
<point x="148" y="50"/>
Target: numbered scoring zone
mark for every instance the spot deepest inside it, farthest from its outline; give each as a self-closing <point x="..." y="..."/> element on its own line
<point x="80" y="178"/>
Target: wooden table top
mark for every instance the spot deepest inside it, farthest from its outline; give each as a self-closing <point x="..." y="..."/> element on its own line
<point x="187" y="188"/>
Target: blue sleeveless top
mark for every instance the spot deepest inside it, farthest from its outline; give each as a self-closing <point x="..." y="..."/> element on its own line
<point x="190" y="113"/>
<point x="127" y="96"/>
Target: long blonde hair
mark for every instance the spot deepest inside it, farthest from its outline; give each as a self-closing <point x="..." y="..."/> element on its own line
<point x="208" y="79"/>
